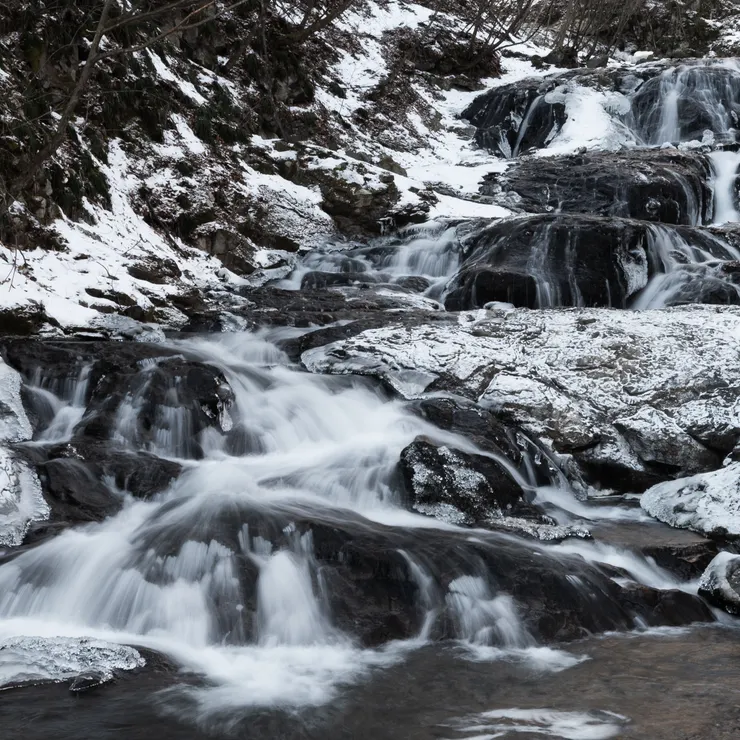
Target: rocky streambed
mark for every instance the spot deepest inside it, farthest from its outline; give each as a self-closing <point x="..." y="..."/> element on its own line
<point x="472" y="478"/>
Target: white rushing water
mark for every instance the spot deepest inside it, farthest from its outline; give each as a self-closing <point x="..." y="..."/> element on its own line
<point x="430" y="251"/>
<point x="724" y="185"/>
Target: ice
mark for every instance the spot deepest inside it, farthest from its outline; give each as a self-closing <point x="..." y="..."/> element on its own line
<point x="54" y="659"/>
<point x="546" y="722"/>
<point x="715" y="581"/>
<point x="21" y="499"/>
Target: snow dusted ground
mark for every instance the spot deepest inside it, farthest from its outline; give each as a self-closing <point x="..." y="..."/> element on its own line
<point x="98" y="255"/>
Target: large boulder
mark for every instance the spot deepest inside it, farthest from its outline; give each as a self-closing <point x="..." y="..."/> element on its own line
<point x="577" y="260"/>
<point x="624" y="403"/>
<point x="664" y="185"/>
<point x="708" y="502"/>
<point x="477" y="487"/>
<point x="514" y="118"/>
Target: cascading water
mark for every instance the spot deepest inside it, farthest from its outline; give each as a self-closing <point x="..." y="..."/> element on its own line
<point x="220" y="571"/>
<point x="683" y="103"/>
<point x="725" y="186"/>
<point x="430" y="251"/>
<point x="64" y="406"/>
<point x="686" y="272"/>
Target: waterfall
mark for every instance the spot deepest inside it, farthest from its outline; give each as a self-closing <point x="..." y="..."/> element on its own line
<point x="724" y="184"/>
<point x="683" y="270"/>
<point x="682" y="103"/>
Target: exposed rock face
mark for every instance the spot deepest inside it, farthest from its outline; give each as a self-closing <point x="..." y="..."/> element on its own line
<point x="122" y="412"/>
<point x="707" y="503"/>
<point x="626" y="404"/>
<point x="514" y="118"/>
<point x="720" y="583"/>
<point x="569" y="260"/>
<point x="666" y="186"/>
<point x="477" y="487"/>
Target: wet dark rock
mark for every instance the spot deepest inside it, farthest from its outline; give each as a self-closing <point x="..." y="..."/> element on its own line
<point x="321" y="306"/>
<point x="569" y="260"/>
<point x="84" y="480"/>
<point x="414" y="283"/>
<point x="666" y="607"/>
<point x="666" y="186"/>
<point x="685" y="554"/>
<point x="514" y="118"/>
<point x="476" y="488"/>
<point x="314" y="280"/>
<point x="476" y="424"/>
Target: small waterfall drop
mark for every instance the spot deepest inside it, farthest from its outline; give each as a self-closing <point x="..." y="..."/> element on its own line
<point x="684" y="271"/>
<point x="64" y="405"/>
<point x="725" y="186"/>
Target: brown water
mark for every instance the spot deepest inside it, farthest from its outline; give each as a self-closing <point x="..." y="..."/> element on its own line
<point x="677" y="685"/>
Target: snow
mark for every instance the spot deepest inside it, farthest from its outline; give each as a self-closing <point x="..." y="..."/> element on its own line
<point x="166" y="74"/>
<point x="578" y="379"/>
<point x="592" y="120"/>
<point x="708" y="503"/>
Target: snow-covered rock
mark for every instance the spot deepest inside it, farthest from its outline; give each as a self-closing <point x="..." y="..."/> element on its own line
<point x="720" y="583"/>
<point x="707" y="503"/>
<point x="21" y="500"/>
<point x="628" y="399"/>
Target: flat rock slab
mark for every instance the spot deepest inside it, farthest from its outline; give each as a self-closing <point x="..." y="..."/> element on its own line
<point x="680" y="551"/>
